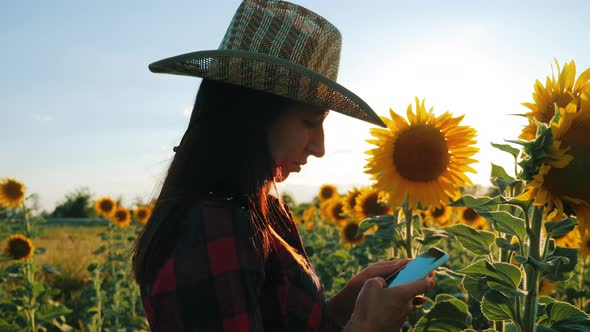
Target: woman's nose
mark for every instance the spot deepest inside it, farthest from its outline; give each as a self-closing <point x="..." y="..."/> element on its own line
<point x="316" y="143"/>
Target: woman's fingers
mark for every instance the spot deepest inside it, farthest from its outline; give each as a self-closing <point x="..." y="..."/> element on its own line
<point x="419" y="300"/>
<point x="386" y="268"/>
<point x="412" y="289"/>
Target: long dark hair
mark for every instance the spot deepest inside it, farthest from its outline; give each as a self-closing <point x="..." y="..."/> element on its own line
<point x="224" y="150"/>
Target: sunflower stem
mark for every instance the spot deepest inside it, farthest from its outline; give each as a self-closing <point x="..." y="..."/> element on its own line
<point x="29" y="286"/>
<point x="27" y="221"/>
<point x="408" y="214"/>
<point x="532" y="272"/>
<point x="581" y="281"/>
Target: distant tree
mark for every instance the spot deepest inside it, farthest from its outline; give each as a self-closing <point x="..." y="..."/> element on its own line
<point x="289" y="200"/>
<point x="77" y="204"/>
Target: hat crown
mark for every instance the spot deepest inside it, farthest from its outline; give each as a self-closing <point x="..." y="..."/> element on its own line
<point x="286" y="31"/>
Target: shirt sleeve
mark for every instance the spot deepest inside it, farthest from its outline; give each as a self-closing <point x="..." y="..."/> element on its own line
<point x="214" y="279"/>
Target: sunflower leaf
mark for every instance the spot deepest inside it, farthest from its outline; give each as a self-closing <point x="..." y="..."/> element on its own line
<point x="499" y="172"/>
<point x="447" y="314"/>
<point x="506" y="244"/>
<point x="561" y="316"/>
<point x="503" y="274"/>
<point x="471" y="239"/>
<point x="506" y="223"/>
<point x="507" y="148"/>
<point x="431" y="236"/>
<point x="561" y="262"/>
<point x="496" y="306"/>
<point x="475" y="287"/>
<point x="560" y="228"/>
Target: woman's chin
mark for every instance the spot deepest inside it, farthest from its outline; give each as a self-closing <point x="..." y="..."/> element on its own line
<point x="281" y="174"/>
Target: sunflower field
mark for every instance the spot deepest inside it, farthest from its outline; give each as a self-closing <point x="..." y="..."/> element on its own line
<point x="519" y="247"/>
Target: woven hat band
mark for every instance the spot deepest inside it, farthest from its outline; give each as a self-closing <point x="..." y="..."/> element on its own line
<point x="286" y="31"/>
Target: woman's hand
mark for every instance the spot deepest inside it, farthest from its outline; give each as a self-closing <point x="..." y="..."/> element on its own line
<point x="379" y="308"/>
<point x="340" y="305"/>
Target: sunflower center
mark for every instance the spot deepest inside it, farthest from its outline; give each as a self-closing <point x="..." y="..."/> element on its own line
<point x="120" y="215"/>
<point x="469" y="215"/>
<point x="13" y="190"/>
<point x="19" y="248"/>
<point x="561" y="99"/>
<point x="350" y="230"/>
<point x="337" y="211"/>
<point x="141" y="214"/>
<point x="437" y="212"/>
<point x="573" y="179"/>
<point x="352" y="199"/>
<point x="371" y="205"/>
<point x="327" y="193"/>
<point x="421" y="154"/>
<point x="106" y="206"/>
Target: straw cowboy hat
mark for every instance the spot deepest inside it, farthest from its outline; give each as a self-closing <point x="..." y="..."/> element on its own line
<point x="280" y="48"/>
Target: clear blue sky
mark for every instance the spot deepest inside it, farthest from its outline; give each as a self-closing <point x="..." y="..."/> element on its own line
<point x="78" y="106"/>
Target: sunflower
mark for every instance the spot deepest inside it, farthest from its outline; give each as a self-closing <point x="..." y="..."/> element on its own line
<point x="121" y="217"/>
<point x="370" y="203"/>
<point x="423" y="159"/>
<point x="470" y="217"/>
<point x="327" y="191"/>
<point x="560" y="92"/>
<point x="12" y="193"/>
<point x="557" y="163"/>
<point x="348" y="234"/>
<point x="439" y="215"/>
<point x="546" y="287"/>
<point x="309" y="214"/>
<point x="572" y="239"/>
<point x="332" y="211"/>
<point x="350" y="201"/>
<point x="19" y="247"/>
<point x="105" y="207"/>
<point x="142" y="213"/>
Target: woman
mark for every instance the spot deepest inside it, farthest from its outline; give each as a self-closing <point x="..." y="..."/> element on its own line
<point x="219" y="251"/>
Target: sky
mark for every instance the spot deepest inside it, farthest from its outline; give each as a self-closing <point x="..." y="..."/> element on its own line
<point x="79" y="107"/>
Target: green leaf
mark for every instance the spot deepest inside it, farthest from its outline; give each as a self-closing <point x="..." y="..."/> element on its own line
<point x="477" y="203"/>
<point x="7" y="327"/>
<point x="48" y="313"/>
<point x="560" y="228"/>
<point x="447" y="314"/>
<point x="502" y="184"/>
<point x="471" y="239"/>
<point x="499" y="172"/>
<point x="495" y="306"/>
<point x="560" y="268"/>
<point x="51" y="269"/>
<point x="367" y="223"/>
<point x="507" y="148"/>
<point x="506" y="244"/>
<point x="506" y="223"/>
<point x="558" y="310"/>
<point x="431" y="236"/>
<point x="574" y="324"/>
<point x="563" y="316"/>
<point x="475" y="287"/>
<point x="100" y="250"/>
<point x="504" y="274"/>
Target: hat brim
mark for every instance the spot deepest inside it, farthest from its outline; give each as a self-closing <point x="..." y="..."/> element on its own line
<point x="270" y="74"/>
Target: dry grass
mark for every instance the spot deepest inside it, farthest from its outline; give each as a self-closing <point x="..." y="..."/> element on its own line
<point x="70" y="248"/>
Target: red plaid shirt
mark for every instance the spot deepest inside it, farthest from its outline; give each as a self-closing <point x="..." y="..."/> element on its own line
<point x="216" y="280"/>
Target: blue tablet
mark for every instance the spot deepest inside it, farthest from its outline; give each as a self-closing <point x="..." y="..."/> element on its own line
<point x="419" y="267"/>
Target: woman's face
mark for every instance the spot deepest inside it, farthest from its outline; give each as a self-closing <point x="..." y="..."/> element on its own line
<point x="297" y="134"/>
